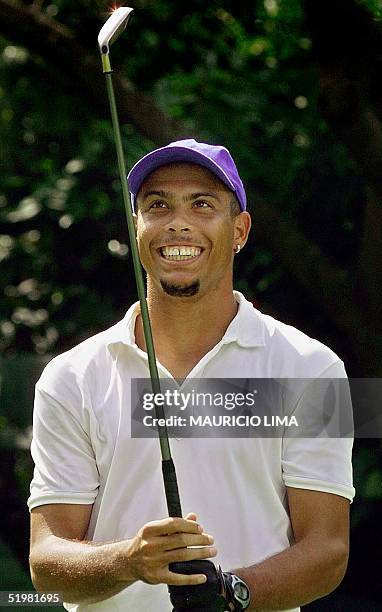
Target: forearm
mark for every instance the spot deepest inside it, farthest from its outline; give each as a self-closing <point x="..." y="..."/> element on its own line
<point x="81" y="571"/>
<point x="300" y="574"/>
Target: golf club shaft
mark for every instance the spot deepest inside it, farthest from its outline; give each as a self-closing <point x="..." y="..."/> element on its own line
<point x="168" y="468"/>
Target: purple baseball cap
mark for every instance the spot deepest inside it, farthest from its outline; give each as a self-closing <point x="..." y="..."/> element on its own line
<point x="215" y="158"/>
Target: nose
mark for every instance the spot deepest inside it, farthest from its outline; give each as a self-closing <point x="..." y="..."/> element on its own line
<point x="181" y="229"/>
<point x="178" y="223"/>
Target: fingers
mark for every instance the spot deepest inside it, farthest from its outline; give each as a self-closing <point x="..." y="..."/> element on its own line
<point x="190" y="554"/>
<point x="182" y="540"/>
<point x="171" y="525"/>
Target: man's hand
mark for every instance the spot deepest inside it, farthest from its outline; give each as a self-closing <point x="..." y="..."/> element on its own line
<point x="159" y="543"/>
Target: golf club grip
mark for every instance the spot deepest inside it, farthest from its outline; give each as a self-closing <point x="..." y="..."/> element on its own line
<point x="171" y="488"/>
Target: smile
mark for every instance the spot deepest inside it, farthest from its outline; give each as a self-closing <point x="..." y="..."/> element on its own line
<point x="180" y="253"/>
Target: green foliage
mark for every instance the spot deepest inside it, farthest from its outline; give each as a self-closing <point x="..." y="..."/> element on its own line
<point x="239" y="73"/>
<point x="368" y="473"/>
<point x="374" y="6"/>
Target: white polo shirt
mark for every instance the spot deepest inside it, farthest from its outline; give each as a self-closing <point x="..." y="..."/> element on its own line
<point x="84" y="454"/>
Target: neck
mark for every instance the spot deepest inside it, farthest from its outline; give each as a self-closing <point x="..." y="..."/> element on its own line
<point x="185" y="329"/>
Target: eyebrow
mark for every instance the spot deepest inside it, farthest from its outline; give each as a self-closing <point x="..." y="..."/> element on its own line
<point x="168" y="195"/>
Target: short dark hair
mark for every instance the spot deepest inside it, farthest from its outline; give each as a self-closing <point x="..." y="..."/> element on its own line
<point x="234" y="207"/>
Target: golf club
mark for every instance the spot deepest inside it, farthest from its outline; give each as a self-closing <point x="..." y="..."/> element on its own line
<point x="109" y="33"/>
<point x="207" y="594"/>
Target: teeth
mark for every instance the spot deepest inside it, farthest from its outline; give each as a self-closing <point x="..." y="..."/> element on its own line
<point x="179" y="253"/>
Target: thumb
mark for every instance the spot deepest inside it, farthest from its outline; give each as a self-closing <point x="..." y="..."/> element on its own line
<point x="191" y="516"/>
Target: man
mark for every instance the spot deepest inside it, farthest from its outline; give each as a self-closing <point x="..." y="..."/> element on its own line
<point x="274" y="511"/>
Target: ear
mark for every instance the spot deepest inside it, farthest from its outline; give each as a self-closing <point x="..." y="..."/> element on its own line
<point x="242" y="225"/>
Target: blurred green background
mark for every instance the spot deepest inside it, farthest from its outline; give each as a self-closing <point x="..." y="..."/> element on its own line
<point x="293" y="88"/>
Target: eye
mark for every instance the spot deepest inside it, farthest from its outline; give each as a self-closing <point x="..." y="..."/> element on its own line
<point x="158" y="204"/>
<point x="202" y="204"/>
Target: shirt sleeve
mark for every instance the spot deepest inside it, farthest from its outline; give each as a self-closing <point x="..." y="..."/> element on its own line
<point x="319" y="458"/>
<point x="65" y="464"/>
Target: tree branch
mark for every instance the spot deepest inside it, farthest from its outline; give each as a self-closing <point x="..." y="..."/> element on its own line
<point x="57" y="43"/>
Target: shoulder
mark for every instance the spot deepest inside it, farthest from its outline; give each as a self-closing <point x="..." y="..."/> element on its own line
<point x="307" y="355"/>
<point x="285" y="350"/>
<point x="83" y="364"/>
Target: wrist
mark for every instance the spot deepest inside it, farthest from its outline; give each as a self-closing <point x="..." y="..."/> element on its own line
<point x="123" y="562"/>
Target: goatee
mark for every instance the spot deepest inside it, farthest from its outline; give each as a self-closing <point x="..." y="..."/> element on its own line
<point x="180" y="290"/>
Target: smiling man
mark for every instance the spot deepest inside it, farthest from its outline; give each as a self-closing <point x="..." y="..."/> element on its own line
<point x="188" y="222"/>
<point x="275" y="510"/>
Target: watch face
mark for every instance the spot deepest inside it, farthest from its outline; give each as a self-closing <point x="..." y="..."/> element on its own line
<point x="241" y="591"/>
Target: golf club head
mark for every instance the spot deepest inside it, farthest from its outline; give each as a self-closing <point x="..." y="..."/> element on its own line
<point x="113" y="28"/>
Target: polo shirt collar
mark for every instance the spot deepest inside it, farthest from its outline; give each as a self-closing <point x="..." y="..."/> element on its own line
<point x="124" y="331"/>
<point x="247" y="328"/>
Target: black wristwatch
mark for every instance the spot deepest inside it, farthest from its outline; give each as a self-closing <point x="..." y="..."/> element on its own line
<point x="239" y="593"/>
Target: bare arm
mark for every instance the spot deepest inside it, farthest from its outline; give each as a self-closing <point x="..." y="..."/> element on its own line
<point x="88" y="572"/>
<point x="311" y="568"/>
